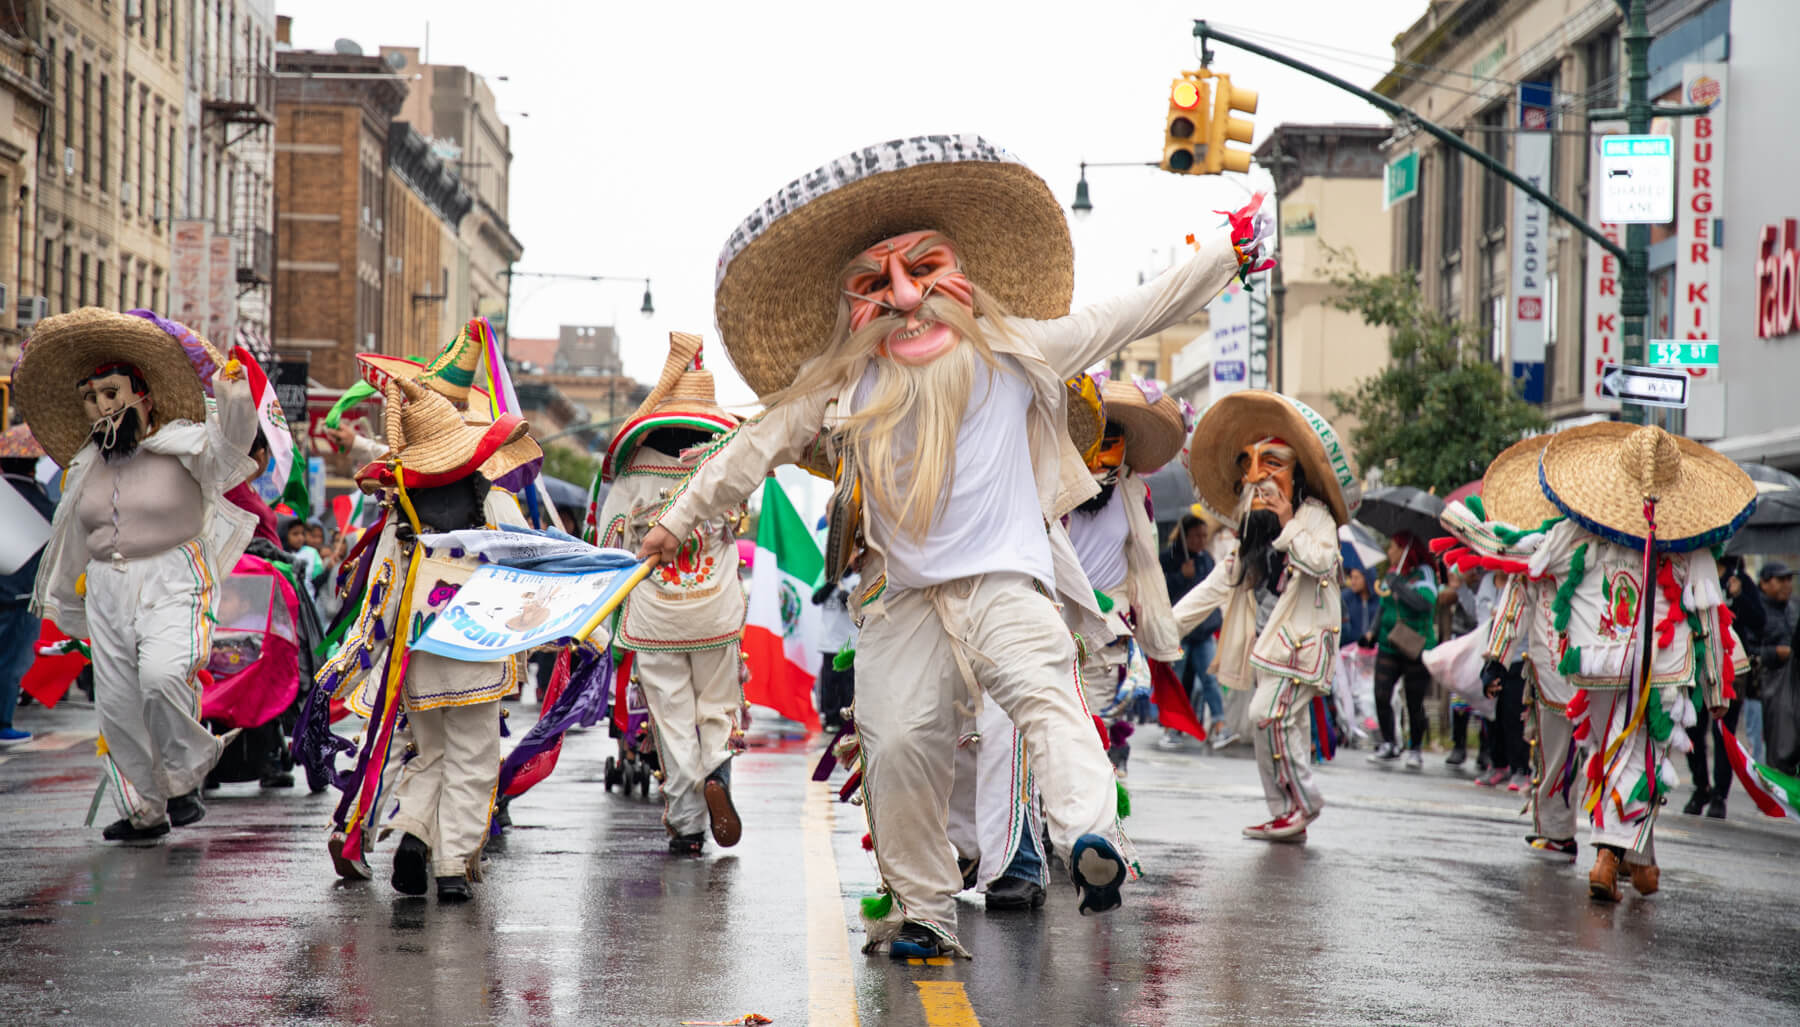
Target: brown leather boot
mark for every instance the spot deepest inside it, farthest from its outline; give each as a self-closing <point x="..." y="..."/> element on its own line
<point x="1603" y="880"/>
<point x="1645" y="879"/>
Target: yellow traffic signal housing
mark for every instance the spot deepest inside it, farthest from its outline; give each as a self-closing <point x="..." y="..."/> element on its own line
<point x="1186" y="127"/>
<point x="1224" y="128"/>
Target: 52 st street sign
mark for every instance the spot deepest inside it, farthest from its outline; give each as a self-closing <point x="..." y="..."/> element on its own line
<point x="1683" y="353"/>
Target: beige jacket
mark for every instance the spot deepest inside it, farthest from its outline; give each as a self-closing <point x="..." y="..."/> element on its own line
<point x="1301" y="639"/>
<point x="1148" y="590"/>
<point x="1048" y="351"/>
<point x="691" y="604"/>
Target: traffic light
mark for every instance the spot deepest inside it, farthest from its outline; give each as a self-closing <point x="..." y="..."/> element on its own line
<point x="1225" y="128"/>
<point x="1184" y="137"/>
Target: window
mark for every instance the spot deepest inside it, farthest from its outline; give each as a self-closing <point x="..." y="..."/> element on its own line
<point x="1603" y="69"/>
<point x="87" y="106"/>
<point x="1495" y="192"/>
<point x="1414" y="244"/>
<point x="144" y="199"/>
<point x="68" y="99"/>
<point x="156" y="207"/>
<point x="124" y="280"/>
<point x="99" y="283"/>
<point x="81" y="296"/>
<point x="1145" y="369"/>
<point x="125" y="196"/>
<point x="1451" y="244"/>
<point x="49" y="87"/>
<point x="171" y="211"/>
<point x="63" y="290"/>
<point x="105" y="126"/>
<point x="44" y="279"/>
<point x="1550" y="334"/>
<point x="160" y="4"/>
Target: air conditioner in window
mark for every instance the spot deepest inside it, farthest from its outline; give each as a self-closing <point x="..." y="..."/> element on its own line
<point x="128" y="194"/>
<point x="68" y="160"/>
<point x="33" y="309"/>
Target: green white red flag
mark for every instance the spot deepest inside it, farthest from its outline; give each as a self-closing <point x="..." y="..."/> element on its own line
<point x="1775" y="793"/>
<point x="289" y="471"/>
<point x="787" y="569"/>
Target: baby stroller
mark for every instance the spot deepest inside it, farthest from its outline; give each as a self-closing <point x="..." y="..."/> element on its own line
<point x="630" y="724"/>
<point x="254" y="670"/>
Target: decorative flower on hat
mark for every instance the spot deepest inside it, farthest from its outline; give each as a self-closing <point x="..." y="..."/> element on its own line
<point x="1150" y="387"/>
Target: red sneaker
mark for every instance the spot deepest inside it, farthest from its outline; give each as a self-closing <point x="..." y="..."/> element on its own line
<point x="1283" y="828"/>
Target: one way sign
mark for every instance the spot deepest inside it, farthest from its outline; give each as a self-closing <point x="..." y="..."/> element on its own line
<point x="1650" y="386"/>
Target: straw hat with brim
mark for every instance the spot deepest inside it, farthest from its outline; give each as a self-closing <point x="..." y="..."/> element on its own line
<point x="682" y="397"/>
<point x="1153" y="431"/>
<point x="778" y="293"/>
<point x="432" y="442"/>
<point x="1601" y="474"/>
<point x="1087" y="415"/>
<point x="17" y="443"/>
<point x="1510" y="492"/>
<point x="65" y="349"/>
<point x="451" y="373"/>
<point x="1250" y="415"/>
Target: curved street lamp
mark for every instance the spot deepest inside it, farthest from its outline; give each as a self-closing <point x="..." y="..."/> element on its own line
<point x="1083" y="206"/>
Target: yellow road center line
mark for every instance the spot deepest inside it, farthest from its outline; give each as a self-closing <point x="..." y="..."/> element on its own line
<point x="946" y="1004"/>
<point x="830" y="975"/>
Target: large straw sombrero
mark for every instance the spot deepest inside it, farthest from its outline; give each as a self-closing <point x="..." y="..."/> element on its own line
<point x="1086" y="415"/>
<point x="777" y="287"/>
<point x="450" y="374"/>
<point x="66" y="348"/>
<point x="433" y="443"/>
<point x="1153" y="430"/>
<point x="1251" y="415"/>
<point x="683" y="397"/>
<point x="1510" y="492"/>
<point x="1601" y="474"/>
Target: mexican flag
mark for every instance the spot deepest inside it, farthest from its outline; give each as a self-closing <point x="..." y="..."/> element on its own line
<point x="787" y="569"/>
<point x="1775" y="793"/>
<point x="289" y="472"/>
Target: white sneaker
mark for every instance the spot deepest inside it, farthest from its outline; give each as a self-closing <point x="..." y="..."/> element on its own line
<point x="1171" y="741"/>
<point x="1415" y="760"/>
<point x="1225" y="737"/>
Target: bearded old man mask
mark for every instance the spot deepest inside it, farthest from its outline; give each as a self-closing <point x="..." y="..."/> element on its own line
<point x="1272" y="486"/>
<point x="116" y="400"/>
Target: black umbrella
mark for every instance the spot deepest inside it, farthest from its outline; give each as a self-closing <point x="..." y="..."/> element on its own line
<point x="567" y="496"/>
<point x="1392" y="509"/>
<point x="1171" y="492"/>
<point x="1774" y="526"/>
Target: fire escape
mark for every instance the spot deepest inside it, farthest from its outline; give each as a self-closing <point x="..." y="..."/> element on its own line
<point x="240" y="107"/>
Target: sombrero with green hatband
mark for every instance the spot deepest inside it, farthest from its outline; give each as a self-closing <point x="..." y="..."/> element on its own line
<point x="450" y="374"/>
<point x="1601" y="475"/>
<point x="777" y="287"/>
<point x="682" y="397"/>
<point x="64" y="350"/>
<point x="1153" y="430"/>
<point x="1510" y="492"/>
<point x="1251" y="415"/>
<point x="436" y="446"/>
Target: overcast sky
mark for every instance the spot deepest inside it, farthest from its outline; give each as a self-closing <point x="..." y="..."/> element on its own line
<point x="644" y="132"/>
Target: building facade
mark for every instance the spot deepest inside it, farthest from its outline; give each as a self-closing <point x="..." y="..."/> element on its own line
<point x="24" y="106"/>
<point x="422" y="293"/>
<point x="455" y="109"/>
<point x="333" y="113"/>
<point x="229" y="184"/>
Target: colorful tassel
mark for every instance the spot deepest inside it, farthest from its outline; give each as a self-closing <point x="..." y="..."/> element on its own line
<point x="868" y="844"/>
<point x="1475" y="506"/>
<point x="1562" y="605"/>
<point x="1124" y="800"/>
<point x="877" y="907"/>
<point x="844" y="660"/>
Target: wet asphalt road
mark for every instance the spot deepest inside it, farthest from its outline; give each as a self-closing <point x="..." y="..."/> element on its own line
<point x="1414" y="902"/>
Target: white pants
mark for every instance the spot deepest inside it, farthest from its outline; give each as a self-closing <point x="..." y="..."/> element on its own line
<point x="1280" y="728"/>
<point x="445" y="792"/>
<point x="1101" y="674"/>
<point x="1553" y="808"/>
<point x="693" y="700"/>
<point x="990" y="803"/>
<point x="909" y="683"/>
<point x="150" y="634"/>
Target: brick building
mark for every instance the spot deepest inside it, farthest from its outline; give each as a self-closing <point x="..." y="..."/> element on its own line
<point x="333" y="116"/>
<point x="423" y="299"/>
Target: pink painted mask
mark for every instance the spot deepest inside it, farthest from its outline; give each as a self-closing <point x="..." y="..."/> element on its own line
<point x="893" y="279"/>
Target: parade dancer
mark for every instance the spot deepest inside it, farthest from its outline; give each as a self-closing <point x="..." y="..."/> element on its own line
<point x="1640" y="617"/>
<point x="139" y="537"/>
<point x="1115" y="540"/>
<point x="908" y="306"/>
<point x="1512" y="507"/>
<point x="432" y="482"/>
<point x="683" y="625"/>
<point x="1279" y="471"/>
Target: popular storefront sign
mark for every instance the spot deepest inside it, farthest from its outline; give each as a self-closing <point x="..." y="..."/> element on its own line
<point x="1530" y="241"/>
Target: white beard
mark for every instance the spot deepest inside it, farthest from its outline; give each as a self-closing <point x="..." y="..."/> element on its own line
<point x="904" y="432"/>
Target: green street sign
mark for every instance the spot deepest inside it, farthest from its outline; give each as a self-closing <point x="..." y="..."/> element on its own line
<point x="1679" y="353"/>
<point x="1401" y="180"/>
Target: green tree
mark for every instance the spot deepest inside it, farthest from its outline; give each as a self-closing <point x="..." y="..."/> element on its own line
<point x="571" y="465"/>
<point x="1440" y="411"/>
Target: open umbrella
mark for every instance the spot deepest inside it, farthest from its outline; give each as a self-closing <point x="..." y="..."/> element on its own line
<point x="1171" y="492"/>
<point x="566" y="495"/>
<point x="1774" y="526"/>
<point x="1359" y="548"/>
<point x="1396" y="508"/>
